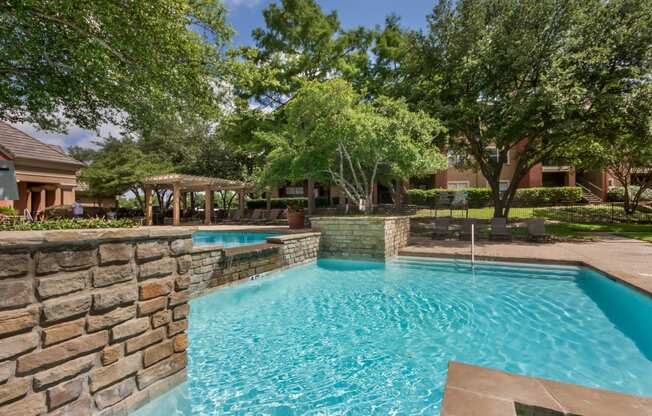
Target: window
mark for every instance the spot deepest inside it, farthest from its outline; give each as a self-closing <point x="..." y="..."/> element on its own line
<point x="495" y="155"/>
<point x="294" y="190"/>
<point x="503" y="185"/>
<point x="455" y="159"/>
<point x="458" y="185"/>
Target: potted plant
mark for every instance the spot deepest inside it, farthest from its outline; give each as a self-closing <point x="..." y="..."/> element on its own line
<point x="296" y="216"/>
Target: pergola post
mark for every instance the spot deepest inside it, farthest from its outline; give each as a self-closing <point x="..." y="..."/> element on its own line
<point x="148" y="206"/>
<point x="208" y="206"/>
<point x="241" y="203"/>
<point x="268" y="195"/>
<point x="176" y="199"/>
<point x="311" y="196"/>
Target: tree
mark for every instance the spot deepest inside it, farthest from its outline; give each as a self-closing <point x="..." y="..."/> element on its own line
<point x="625" y="145"/>
<point x="614" y="45"/>
<point x="123" y="62"/>
<point x="299" y="43"/>
<point x="119" y="167"/>
<point x="331" y="134"/>
<point x="82" y="154"/>
<point x="521" y="76"/>
<point x="492" y="71"/>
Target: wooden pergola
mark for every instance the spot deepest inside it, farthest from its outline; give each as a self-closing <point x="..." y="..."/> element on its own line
<point x="180" y="183"/>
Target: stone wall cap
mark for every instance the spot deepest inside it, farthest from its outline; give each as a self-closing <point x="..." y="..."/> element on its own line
<point x="289" y="237"/>
<point x="207" y="248"/>
<point x="365" y="217"/>
<point x="9" y="239"/>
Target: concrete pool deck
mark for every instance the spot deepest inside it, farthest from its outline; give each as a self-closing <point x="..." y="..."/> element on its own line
<point x="479" y="391"/>
<point x="623" y="259"/>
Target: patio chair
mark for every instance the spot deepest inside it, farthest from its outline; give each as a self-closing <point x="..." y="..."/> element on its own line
<point x="460" y="201"/>
<point x="442" y="228"/>
<point x="465" y="231"/>
<point x="499" y="230"/>
<point x="268" y="216"/>
<point x="257" y="216"/>
<point x="443" y="202"/>
<point x="536" y="230"/>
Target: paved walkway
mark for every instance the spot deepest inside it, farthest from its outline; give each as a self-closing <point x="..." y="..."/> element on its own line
<point x="622" y="258"/>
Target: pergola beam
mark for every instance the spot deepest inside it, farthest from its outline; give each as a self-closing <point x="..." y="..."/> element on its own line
<point x="179" y="183"/>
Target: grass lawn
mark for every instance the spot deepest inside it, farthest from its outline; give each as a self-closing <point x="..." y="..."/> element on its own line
<point x="579" y="230"/>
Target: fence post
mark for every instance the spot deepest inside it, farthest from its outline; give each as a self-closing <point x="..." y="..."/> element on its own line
<point x="612" y="212"/>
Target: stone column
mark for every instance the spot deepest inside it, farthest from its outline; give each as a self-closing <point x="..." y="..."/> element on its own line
<point x="148" y="206"/>
<point x="176" y="200"/>
<point x="208" y="207"/>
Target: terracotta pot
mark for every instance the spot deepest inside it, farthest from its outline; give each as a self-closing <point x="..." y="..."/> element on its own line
<point x="296" y="220"/>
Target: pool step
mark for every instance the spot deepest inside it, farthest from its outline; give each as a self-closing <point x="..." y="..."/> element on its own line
<point x="484" y="268"/>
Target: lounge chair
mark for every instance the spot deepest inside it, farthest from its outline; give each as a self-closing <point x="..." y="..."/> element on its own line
<point x="499" y="230"/>
<point x="267" y="216"/>
<point x="443" y="202"/>
<point x="536" y="230"/>
<point x="442" y="228"/>
<point x="465" y="232"/>
<point x="460" y="201"/>
<point x="257" y="216"/>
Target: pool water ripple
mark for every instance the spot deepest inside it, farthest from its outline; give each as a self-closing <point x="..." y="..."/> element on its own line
<point x="359" y="338"/>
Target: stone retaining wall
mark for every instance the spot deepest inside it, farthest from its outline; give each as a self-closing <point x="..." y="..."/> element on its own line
<point x="92" y="322"/>
<point x="361" y="237"/>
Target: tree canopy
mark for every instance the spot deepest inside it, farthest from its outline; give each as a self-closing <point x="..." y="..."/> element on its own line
<point x="130" y="63"/>
<point x="519" y="76"/>
<point x="332" y="135"/>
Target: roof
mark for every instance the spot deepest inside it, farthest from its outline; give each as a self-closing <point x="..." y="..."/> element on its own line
<point x="191" y="182"/>
<point x="19" y="145"/>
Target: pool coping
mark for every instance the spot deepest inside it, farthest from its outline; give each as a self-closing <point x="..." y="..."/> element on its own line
<point x="629" y="281"/>
<point x="473" y="390"/>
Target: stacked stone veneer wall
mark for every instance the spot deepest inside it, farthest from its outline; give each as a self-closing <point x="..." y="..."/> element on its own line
<point x="362" y="237"/>
<point x="91" y="322"/>
<point x="214" y="266"/>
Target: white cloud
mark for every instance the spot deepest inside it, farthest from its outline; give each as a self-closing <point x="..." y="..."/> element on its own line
<point x="74" y="137"/>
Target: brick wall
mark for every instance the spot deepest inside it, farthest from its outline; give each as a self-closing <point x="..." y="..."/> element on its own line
<point x="361" y="237"/>
<point x="91" y="322"/>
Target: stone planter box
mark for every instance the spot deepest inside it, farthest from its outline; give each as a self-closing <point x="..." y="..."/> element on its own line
<point x="362" y="237"/>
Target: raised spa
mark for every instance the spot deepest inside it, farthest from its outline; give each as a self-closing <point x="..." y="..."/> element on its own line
<point x="230" y="238"/>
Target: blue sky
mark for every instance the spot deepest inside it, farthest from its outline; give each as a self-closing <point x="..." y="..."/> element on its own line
<point x="246" y="15"/>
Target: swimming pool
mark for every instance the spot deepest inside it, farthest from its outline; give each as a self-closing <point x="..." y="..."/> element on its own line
<point x="230" y="238"/>
<point x="361" y="338"/>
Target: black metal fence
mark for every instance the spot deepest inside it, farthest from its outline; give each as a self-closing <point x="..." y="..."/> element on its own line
<point x="602" y="213"/>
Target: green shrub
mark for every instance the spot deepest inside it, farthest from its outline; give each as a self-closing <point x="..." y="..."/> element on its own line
<point x="536" y="197"/>
<point x="481" y="197"/>
<point x="617" y="194"/>
<point x="477" y="197"/>
<point x="68" y="224"/>
<point x="282" y="203"/>
<point x="7" y="211"/>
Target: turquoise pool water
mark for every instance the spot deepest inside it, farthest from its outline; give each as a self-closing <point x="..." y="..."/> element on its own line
<point x="229" y="238"/>
<point x="360" y="338"/>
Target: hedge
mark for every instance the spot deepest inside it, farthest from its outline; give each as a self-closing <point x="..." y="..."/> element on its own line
<point x="282" y="203"/>
<point x="617" y="194"/>
<point x="67" y="224"/>
<point x="481" y="197"/>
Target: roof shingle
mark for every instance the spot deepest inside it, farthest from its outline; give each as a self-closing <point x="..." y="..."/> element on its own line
<point x="23" y="146"/>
